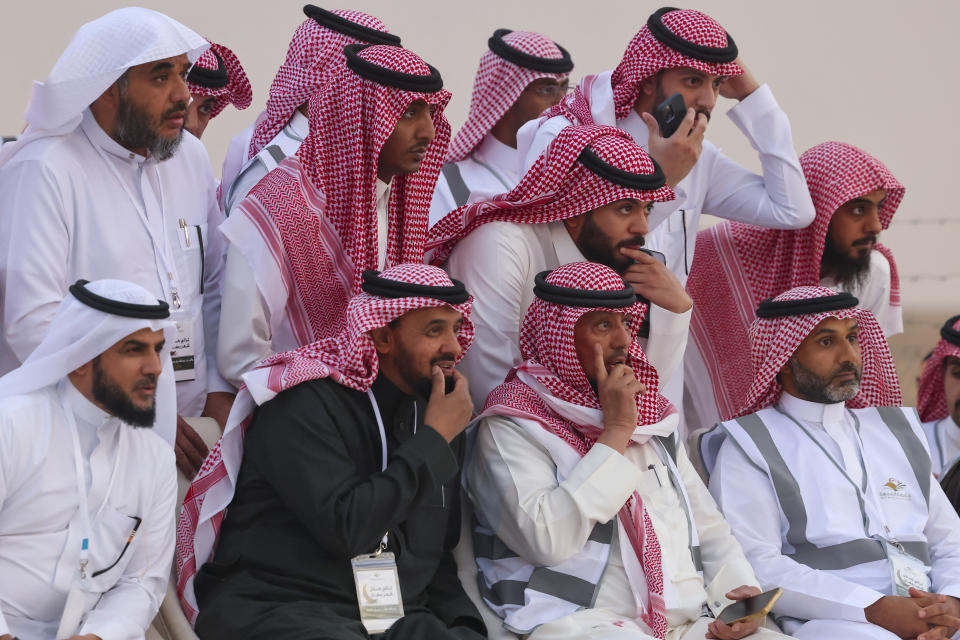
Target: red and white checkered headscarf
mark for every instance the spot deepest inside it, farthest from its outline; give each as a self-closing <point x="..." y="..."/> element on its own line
<point x="644" y="57"/>
<point x="737" y="265"/>
<point x="309" y="55"/>
<point x="558" y="186"/>
<point x="550" y="357"/>
<point x="236" y="91"/>
<point x="774" y="341"/>
<point x="497" y="86"/>
<point x="931" y="401"/>
<point x="316" y="213"/>
<point x="349" y="358"/>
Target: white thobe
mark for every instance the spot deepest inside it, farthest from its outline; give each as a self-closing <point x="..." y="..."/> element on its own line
<point x="82" y="206"/>
<point x="944" y="439"/>
<point x="512" y="481"/>
<point x="493" y="168"/>
<point x="253" y="171"/>
<point x="699" y="404"/>
<point x="129" y="472"/>
<point x="245" y="334"/>
<point x="503" y="289"/>
<point x="748" y="500"/>
<point x="233" y="161"/>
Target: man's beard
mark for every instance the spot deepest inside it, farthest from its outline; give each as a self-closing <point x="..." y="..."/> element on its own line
<point x="422" y="385"/>
<point x="109" y="394"/>
<point x="820" y="389"/>
<point x="849" y="273"/>
<point x="133" y="129"/>
<point x="597" y="246"/>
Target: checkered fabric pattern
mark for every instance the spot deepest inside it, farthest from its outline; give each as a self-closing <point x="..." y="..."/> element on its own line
<point x="556" y="187"/>
<point x="318" y="208"/>
<point x="737" y="265"/>
<point x="547" y="345"/>
<point x="497" y="86"/>
<point x="237" y="90"/>
<point x="349" y="358"/>
<point x="775" y="340"/>
<point x="309" y="55"/>
<point x="931" y="402"/>
<point x="644" y="57"/>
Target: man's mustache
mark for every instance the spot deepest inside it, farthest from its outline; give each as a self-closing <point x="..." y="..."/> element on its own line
<point x="868" y="240"/>
<point x="849" y="367"/>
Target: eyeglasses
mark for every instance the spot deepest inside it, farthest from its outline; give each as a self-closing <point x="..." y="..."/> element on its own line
<point x="551" y="91"/>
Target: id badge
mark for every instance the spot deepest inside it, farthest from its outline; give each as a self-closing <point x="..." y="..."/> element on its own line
<point x="79" y="601"/>
<point x="908" y="571"/>
<point x="378" y="590"/>
<point x="182" y="352"/>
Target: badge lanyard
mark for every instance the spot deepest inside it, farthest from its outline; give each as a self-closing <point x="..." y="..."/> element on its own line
<point x="168" y="277"/>
<point x="693" y="536"/>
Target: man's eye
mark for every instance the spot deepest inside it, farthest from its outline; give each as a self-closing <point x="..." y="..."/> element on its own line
<point x="826" y="342"/>
<point x="160" y="79"/>
<point x="648" y="209"/>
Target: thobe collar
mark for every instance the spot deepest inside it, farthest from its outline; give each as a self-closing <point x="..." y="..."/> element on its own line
<point x="82" y="408"/>
<point x="396" y="408"/>
<point x="299" y="125"/>
<point x="951" y="439"/>
<point x="93" y="423"/>
<point x="815" y="412"/>
<point x="383" y="221"/>
<point x="564" y="246"/>
<point x="100" y="138"/>
<point x="501" y="159"/>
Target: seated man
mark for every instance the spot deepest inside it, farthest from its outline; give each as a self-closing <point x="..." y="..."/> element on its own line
<point x="353" y="450"/>
<point x="592" y="523"/>
<point x="739" y="265"/>
<point x="938" y="398"/>
<point x="215" y="80"/>
<point x="587" y="198"/>
<point x="520" y="75"/>
<point x="87" y="490"/>
<point x="826" y="481"/>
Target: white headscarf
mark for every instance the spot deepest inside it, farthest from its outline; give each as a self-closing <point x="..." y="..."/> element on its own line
<point x="79" y="333"/>
<point x="99" y="53"/>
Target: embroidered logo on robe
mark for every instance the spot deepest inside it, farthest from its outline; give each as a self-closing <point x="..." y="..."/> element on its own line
<point x="893" y="488"/>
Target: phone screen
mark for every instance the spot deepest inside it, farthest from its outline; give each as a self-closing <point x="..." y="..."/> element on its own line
<point x="754" y="605"/>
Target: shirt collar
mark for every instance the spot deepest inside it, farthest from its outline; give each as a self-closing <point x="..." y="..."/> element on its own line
<point x="383" y="189"/>
<point x="492" y="152"/>
<point x="85" y="410"/>
<point x="563" y="244"/>
<point x="100" y="138"/>
<point x="300" y="124"/>
<point x="815" y="412"/>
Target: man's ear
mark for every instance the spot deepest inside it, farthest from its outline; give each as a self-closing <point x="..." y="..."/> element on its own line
<point x="574" y="225"/>
<point x="382" y="339"/>
<point x="648" y="86"/>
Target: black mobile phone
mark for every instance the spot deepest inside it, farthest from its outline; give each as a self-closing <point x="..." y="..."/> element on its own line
<point x="655" y="254"/>
<point x="448" y="384"/>
<point x="670" y="113"/>
<point x="757" y="606"/>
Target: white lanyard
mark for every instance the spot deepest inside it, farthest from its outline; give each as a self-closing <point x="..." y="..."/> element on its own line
<point x="383" y="443"/>
<point x="81" y="481"/>
<point x="168" y="269"/>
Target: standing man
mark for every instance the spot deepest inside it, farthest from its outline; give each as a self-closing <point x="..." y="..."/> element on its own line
<point x="825" y="480"/>
<point x="355" y="449"/>
<point x="356" y="196"/>
<point x="282" y="126"/>
<point x="520" y="76"/>
<point x="586" y="199"/>
<point x="592" y="522"/>
<point x="215" y="80"/>
<point x="739" y="265"/>
<point x="104" y="183"/>
<point x="938" y="398"/>
<point x="87" y="489"/>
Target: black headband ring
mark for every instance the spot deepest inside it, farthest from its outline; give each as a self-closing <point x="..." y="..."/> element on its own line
<point x="668" y="38"/>
<point x="157" y="311"/>
<point x="616" y="175"/>
<point x="386" y="288"/>
<point x="948" y="333"/>
<point x="389" y="77"/>
<point x="499" y="47"/>
<point x="210" y="78"/>
<point x="350" y="28"/>
<point x="771" y="308"/>
<point x="570" y="297"/>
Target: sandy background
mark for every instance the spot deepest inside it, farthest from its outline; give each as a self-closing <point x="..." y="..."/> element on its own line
<point x="879" y="74"/>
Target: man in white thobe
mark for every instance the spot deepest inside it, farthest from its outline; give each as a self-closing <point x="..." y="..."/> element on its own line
<point x="826" y="481"/>
<point x="592" y="522"/>
<point x="521" y="74"/>
<point x="938" y="398"/>
<point x="87" y="490"/>
<point x="104" y="184"/>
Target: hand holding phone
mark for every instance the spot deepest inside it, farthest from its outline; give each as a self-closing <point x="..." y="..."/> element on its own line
<point x="670" y="113"/>
<point x="754" y="607"/>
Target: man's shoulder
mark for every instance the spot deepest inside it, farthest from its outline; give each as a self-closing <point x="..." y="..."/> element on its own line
<point x="311" y="396"/>
<point x="21" y="415"/>
<point x="55" y="154"/>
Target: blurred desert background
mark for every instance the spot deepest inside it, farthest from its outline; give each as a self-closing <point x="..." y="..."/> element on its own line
<point x="879" y="74"/>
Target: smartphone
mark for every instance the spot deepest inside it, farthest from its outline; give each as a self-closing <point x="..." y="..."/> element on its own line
<point x="656" y="254"/>
<point x="757" y="606"/>
<point x="670" y="113"/>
